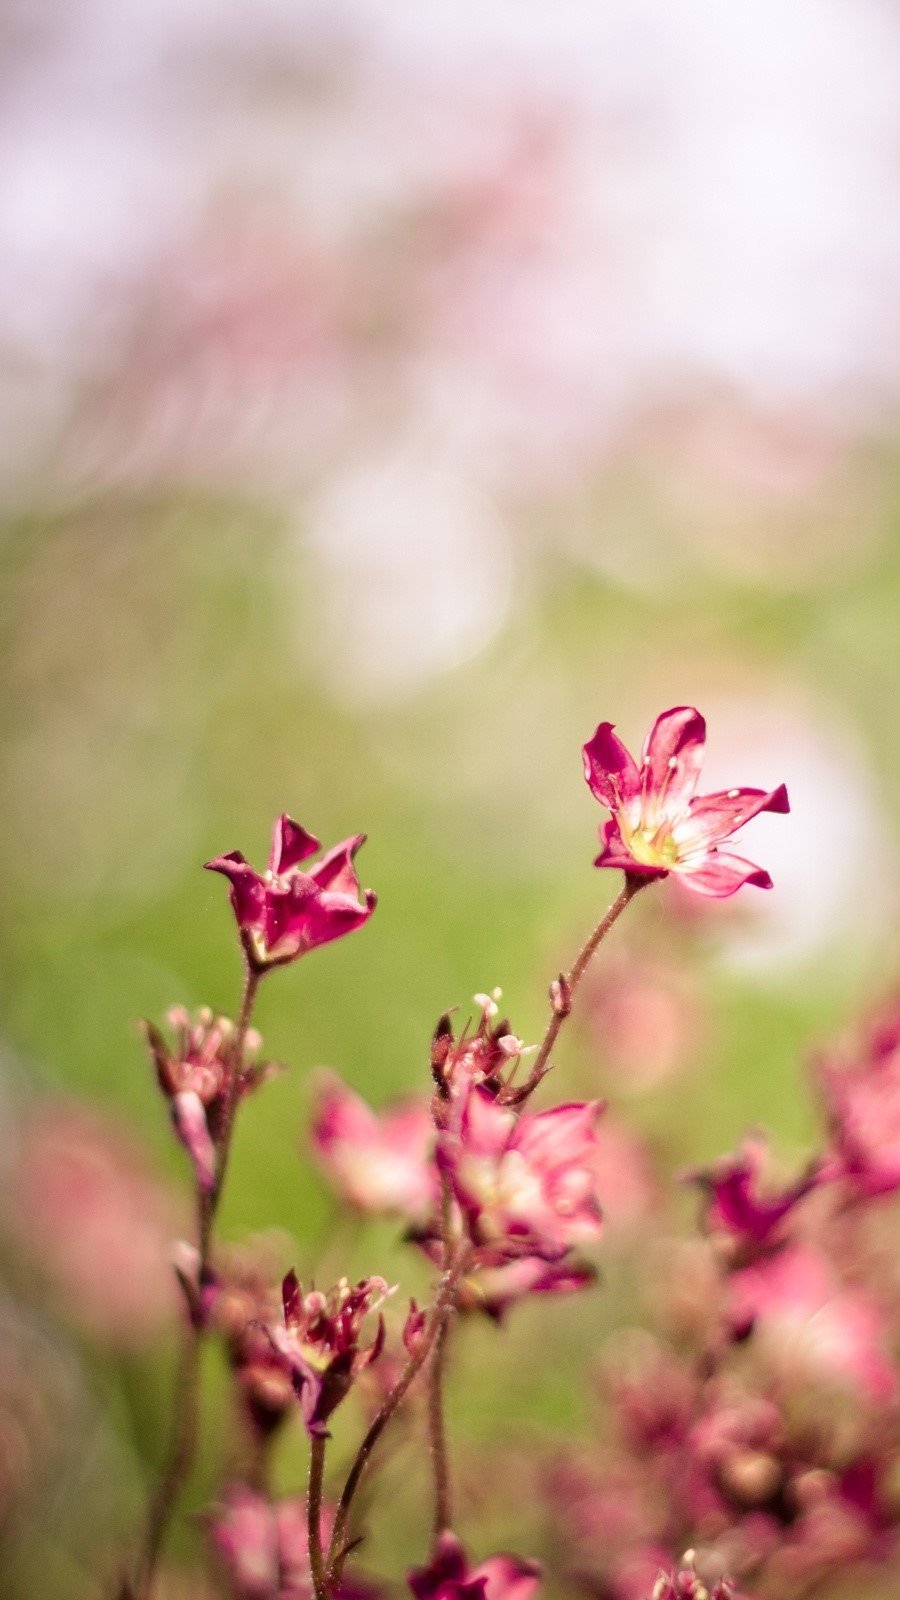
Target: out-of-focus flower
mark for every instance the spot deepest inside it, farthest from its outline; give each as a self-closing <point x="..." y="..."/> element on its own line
<point x="378" y="1162"/>
<point x="285" y="911"/>
<point x="659" y="824"/>
<point x="197" y="1076"/>
<point x="319" y="1342"/>
<point x="740" y="1205"/>
<point x="809" y="1327"/>
<point x="450" y="1577"/>
<point x="862" y="1103"/>
<point x="494" y="1289"/>
<point x="264" y="1547"/>
<point x="526" y="1185"/>
<point x="91" y="1216"/>
<point x="646" y="1020"/>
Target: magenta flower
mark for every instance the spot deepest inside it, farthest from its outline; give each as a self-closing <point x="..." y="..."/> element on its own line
<point x="320" y="1342"/>
<point x="739" y="1205"/>
<point x="526" y="1185"/>
<point x="450" y="1577"/>
<point x="659" y="824"/>
<point x="379" y="1163"/>
<point x="285" y="911"/>
<point x="862" y="1104"/>
<point x="197" y="1077"/>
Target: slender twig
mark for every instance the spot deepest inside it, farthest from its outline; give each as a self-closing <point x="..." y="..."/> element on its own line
<point x="314" y="1516"/>
<point x="563" y="990"/>
<point x="440" y="1312"/>
<point x="437" y="1431"/>
<point x="183" y="1438"/>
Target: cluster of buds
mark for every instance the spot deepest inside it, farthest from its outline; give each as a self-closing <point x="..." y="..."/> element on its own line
<point x="202" y="1078"/>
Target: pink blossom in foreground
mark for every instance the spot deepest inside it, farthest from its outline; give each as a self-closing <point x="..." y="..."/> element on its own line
<point x="319" y="1342"/>
<point x="378" y="1162"/>
<point x="659" y="824"/>
<point x="450" y="1577"/>
<point x="739" y="1205"/>
<point x="286" y="911"/>
<point x="197" y="1074"/>
<point x="526" y="1185"/>
<point x="862" y="1104"/>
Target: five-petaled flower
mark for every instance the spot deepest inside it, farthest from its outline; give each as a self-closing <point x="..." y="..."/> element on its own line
<point x="659" y="823"/>
<point x="286" y="910"/>
<point x="526" y="1185"/>
<point x="320" y="1342"/>
<point x="450" y="1577"/>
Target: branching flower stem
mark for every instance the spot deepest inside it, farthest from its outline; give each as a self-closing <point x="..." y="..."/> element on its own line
<point x="437" y="1432"/>
<point x="183" y="1438"/>
<point x="314" y="1516"/>
<point x="441" y="1311"/>
<point x="563" y="990"/>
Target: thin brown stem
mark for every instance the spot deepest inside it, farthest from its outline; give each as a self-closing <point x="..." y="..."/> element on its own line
<point x="314" y="1517"/>
<point x="440" y="1312"/>
<point x="563" y="990"/>
<point x="440" y="1460"/>
<point x="437" y="1431"/>
<point x="182" y="1447"/>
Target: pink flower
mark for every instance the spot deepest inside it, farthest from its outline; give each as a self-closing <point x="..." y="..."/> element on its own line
<point x="526" y="1185"/>
<point x="89" y="1214"/>
<point x="450" y="1577"/>
<point x="197" y="1078"/>
<point x="285" y="911"/>
<point x="738" y="1204"/>
<point x="659" y="824"/>
<point x="379" y="1163"/>
<point x="264" y="1547"/>
<point x="320" y="1342"/>
<point x="862" y="1103"/>
<point x="810" y="1326"/>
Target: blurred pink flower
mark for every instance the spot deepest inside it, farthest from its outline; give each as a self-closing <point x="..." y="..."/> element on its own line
<point x="379" y="1162"/>
<point x="646" y="1021"/>
<point x="659" y="824"/>
<point x="741" y="1204"/>
<point x="862" y="1104"/>
<point x="93" y="1219"/>
<point x="264" y="1547"/>
<point x="285" y="912"/>
<point x="810" y="1326"/>
<point x="450" y="1577"/>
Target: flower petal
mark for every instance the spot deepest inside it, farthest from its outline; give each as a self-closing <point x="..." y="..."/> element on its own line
<point x="671" y="760"/>
<point x="290" y="844"/>
<point x="611" y="772"/>
<point x="189" y="1118"/>
<point x="719" y="875"/>
<point x="247" y="887"/>
<point x="713" y="817"/>
<point x="336" y="871"/>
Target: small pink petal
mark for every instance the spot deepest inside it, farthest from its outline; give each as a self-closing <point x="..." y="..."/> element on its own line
<point x="610" y="771"/>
